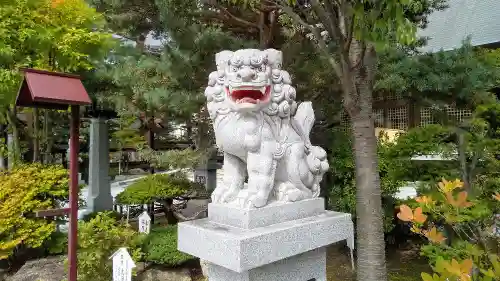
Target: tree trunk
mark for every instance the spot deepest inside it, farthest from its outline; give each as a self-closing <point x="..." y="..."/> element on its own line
<point x="49" y="140"/>
<point x="370" y="234"/>
<point x="169" y="211"/>
<point x="189" y="130"/>
<point x="36" y="140"/>
<point x="462" y="157"/>
<point x="15" y="156"/>
<point x="359" y="74"/>
<point x="3" y="146"/>
<point x="268" y="26"/>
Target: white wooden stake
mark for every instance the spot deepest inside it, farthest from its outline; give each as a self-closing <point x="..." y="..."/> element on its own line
<point x="122" y="265"/>
<point x="144" y="223"/>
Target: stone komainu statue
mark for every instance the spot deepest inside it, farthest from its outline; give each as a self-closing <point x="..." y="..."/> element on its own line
<point x="262" y="131"/>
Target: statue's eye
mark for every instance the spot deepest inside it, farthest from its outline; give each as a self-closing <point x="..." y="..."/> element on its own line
<point x="233" y="68"/>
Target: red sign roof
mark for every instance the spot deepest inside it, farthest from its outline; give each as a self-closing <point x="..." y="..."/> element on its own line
<point x="47" y="89"/>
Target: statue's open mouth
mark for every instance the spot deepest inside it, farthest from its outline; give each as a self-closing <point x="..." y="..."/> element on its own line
<point x="249" y="94"/>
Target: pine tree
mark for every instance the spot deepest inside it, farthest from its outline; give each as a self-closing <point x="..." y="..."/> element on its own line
<point x="167" y="85"/>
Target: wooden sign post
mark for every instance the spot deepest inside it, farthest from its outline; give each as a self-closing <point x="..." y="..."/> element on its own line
<point x="144" y="223"/>
<point x="122" y="265"/>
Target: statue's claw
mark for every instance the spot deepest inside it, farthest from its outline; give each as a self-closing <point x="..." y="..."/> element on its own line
<point x="293" y="195"/>
<point x="217" y="195"/>
<point x="252" y="201"/>
<point x="230" y="194"/>
<point x="287" y="192"/>
<point x="224" y="195"/>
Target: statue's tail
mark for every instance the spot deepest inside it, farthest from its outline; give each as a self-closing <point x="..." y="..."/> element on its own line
<point x="303" y="121"/>
<point x="316" y="158"/>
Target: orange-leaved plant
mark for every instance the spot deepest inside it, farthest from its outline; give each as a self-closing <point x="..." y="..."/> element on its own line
<point x="448" y="219"/>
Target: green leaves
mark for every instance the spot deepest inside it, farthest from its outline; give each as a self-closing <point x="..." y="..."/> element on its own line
<point x="63" y="36"/>
<point x="154" y="187"/>
<point x="463" y="75"/>
<point x="24" y="190"/>
<point x="98" y="239"/>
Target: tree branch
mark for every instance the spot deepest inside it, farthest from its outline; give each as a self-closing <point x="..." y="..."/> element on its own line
<point x="330" y="21"/>
<point x="322" y="46"/>
<point x="267" y="6"/>
<point x="227" y="15"/>
<point x="350" y="32"/>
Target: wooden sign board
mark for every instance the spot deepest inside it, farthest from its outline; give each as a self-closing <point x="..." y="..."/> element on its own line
<point x="144" y="223"/>
<point x="122" y="265"/>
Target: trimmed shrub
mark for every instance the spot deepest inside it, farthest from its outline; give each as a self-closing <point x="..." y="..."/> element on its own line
<point x="161" y="188"/>
<point x="154" y="187"/>
<point x="24" y="190"/>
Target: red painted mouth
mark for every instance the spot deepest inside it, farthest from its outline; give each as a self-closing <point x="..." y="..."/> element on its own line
<point x="249" y="95"/>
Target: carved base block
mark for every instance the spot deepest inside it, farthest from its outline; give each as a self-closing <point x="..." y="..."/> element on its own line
<point x="273" y="213"/>
<point x="292" y="247"/>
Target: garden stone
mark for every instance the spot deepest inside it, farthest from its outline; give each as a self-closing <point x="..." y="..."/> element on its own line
<point x="268" y="223"/>
<point x="204" y="267"/>
<point x="164" y="274"/>
<point x="47" y="269"/>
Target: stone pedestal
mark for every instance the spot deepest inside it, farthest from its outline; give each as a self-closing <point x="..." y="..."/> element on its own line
<point x="99" y="197"/>
<point x="281" y="241"/>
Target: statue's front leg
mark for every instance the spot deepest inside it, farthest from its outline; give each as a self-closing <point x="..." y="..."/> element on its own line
<point x="234" y="178"/>
<point x="261" y="170"/>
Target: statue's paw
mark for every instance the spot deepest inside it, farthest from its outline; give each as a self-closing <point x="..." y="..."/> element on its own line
<point x="230" y="194"/>
<point x="292" y="195"/>
<point x="252" y="201"/>
<point x="287" y="192"/>
<point x="258" y="201"/>
<point x="241" y="198"/>
<point x="217" y="195"/>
